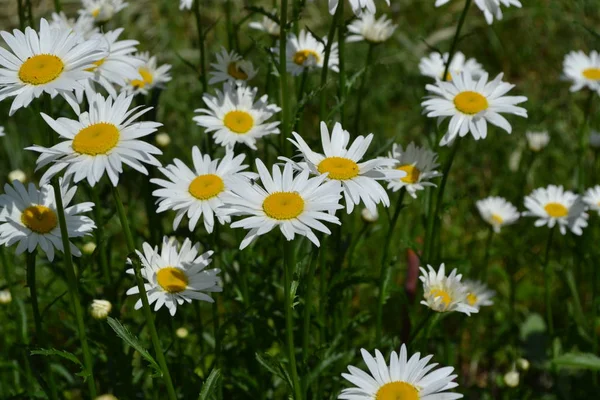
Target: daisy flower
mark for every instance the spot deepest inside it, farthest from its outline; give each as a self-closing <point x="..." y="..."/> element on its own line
<point x="356" y="5"/>
<point x="434" y="66"/>
<point x="152" y="76"/>
<point x="478" y="294"/>
<point x="267" y="25"/>
<point x="305" y="52"/>
<point x="366" y="27"/>
<point x="28" y="217"/>
<point x="296" y="205"/>
<point x="53" y="61"/>
<point x="419" y="164"/>
<point x="102" y="10"/>
<point x="235" y="117"/>
<point x="492" y="8"/>
<point x="2" y="131"/>
<point x="592" y="198"/>
<point x="198" y="192"/>
<point x="471" y="104"/>
<point x="555" y="206"/>
<point x="583" y="70"/>
<point x="341" y="164"/>
<point x="83" y="25"/>
<point x="445" y="293"/>
<point x="185" y="4"/>
<point x="175" y="275"/>
<point x="404" y="378"/>
<point x="101" y="141"/>
<point x="230" y="67"/>
<point x="497" y="212"/>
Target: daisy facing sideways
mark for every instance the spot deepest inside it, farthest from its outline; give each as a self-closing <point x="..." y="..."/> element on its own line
<point x="100" y="142"/>
<point x="102" y="10"/>
<point x="83" y="25"/>
<point x="445" y="293"/>
<point x="419" y="164"/>
<point x="366" y="27"/>
<point x="537" y="141"/>
<point x="175" y="275"/>
<point x="198" y="192"/>
<point x="305" y="52"/>
<point x="53" y="61"/>
<point x="357" y="6"/>
<point x="434" y="66"/>
<point x="28" y="217"/>
<point x="235" y="117"/>
<point x="403" y="378"/>
<point x="478" y="294"/>
<point x="230" y="67"/>
<point x="267" y="25"/>
<point x="471" y="104"/>
<point x="555" y="206"/>
<point x="152" y="76"/>
<point x="491" y="8"/>
<point x="497" y="212"/>
<point x="342" y="164"/>
<point x="583" y="70"/>
<point x="294" y="204"/>
<point x="592" y="198"/>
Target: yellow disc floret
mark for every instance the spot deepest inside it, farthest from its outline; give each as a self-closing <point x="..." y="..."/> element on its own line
<point x="302" y="56"/>
<point x="147" y="78"/>
<point x="41" y="69"/>
<point x="446" y="299"/>
<point x="470" y="103"/>
<point x="235" y="71"/>
<point x="592" y="74"/>
<point x="283" y="205"/>
<point x="397" y="391"/>
<point x="556" y="210"/>
<point x="99" y="138"/>
<point x="239" y="122"/>
<point x="412" y="173"/>
<point x="204" y="187"/>
<point x="339" y="168"/>
<point x="172" y="280"/>
<point x="40" y="219"/>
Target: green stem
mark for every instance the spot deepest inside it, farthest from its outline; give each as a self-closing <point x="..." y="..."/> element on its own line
<point x="361" y="89"/>
<point x="288" y="271"/>
<point x="29" y="13"/>
<point x="385" y="266"/>
<point x="547" y="284"/>
<point x="215" y="316"/>
<point x="342" y="62"/>
<point x="229" y="23"/>
<point x="57" y="6"/>
<point x="325" y="69"/>
<point x="21" y="11"/>
<point x="459" y="27"/>
<point x="486" y="256"/>
<point x="420" y="327"/>
<point x="307" y="301"/>
<point x="283" y="78"/>
<point x="583" y="141"/>
<point x="162" y="362"/>
<point x="201" y="40"/>
<point x="100" y="240"/>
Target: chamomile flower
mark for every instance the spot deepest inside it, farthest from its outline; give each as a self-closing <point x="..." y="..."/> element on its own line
<point x="434" y="66"/>
<point x="366" y="27"/>
<point x="102" y="10"/>
<point x="497" y="212"/>
<point x="342" y="164"/>
<point x="404" y="378"/>
<point x="296" y="205"/>
<point x="492" y="8"/>
<point x="583" y="70"/>
<point x="235" y="117"/>
<point x="2" y="131"/>
<point x="555" y="206"/>
<point x="419" y="164"/>
<point x="198" y="192"/>
<point x="445" y="293"/>
<point x="471" y="104"/>
<point x="305" y="52"/>
<point x="537" y="141"/>
<point x="53" y="61"/>
<point x="152" y="75"/>
<point x="176" y="275"/>
<point x="357" y="6"/>
<point x="28" y="217"/>
<point x="83" y="25"/>
<point x="592" y="198"/>
<point x="267" y="25"/>
<point x="478" y="294"/>
<point x="185" y="4"/>
<point x="100" y="142"/>
<point x="230" y="67"/>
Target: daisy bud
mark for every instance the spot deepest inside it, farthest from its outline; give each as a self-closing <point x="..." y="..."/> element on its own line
<point x="100" y="309"/>
<point x="106" y="397"/>
<point x="17" y="175"/>
<point x="89" y="248"/>
<point x="163" y="139"/>
<point x="369" y="216"/>
<point x="5" y="296"/>
<point x="537" y="140"/>
<point x="182" y="333"/>
<point x="514" y="160"/>
<point x="511" y="379"/>
<point x="595" y="140"/>
<point x="523" y="364"/>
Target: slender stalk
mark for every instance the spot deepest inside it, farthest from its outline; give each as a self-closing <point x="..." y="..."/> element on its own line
<point x="21" y="11"/>
<point x="57" y="6"/>
<point x="201" y="40"/>
<point x="229" y="23"/>
<point x="362" y="87"/>
<point x="342" y="62"/>
<point x="385" y="266"/>
<point x="288" y="271"/>
<point x="459" y="27"/>
<point x="307" y="301"/>
<point x="583" y="141"/>
<point x="547" y="284"/>
<point x="325" y="69"/>
<point x="420" y="327"/>
<point x="486" y="254"/>
<point x="29" y="13"/>
<point x="283" y="78"/>
<point x="162" y="362"/>
<point x="99" y="233"/>
<point x="299" y="110"/>
<point x="215" y="316"/>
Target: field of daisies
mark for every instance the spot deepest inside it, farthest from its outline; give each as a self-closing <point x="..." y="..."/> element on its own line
<point x="299" y="200"/>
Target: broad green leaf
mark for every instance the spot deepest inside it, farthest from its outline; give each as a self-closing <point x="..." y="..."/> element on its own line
<point x="210" y="385"/>
<point x="578" y="361"/>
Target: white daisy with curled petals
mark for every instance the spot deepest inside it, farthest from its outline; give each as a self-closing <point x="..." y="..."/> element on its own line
<point x="434" y="66"/>
<point x="342" y="164"/>
<point x="295" y="204"/>
<point x="231" y="67"/>
<point x="185" y="4"/>
<point x="366" y="27"/>
<point x="53" y="61"/>
<point x="471" y="104"/>
<point x="537" y="141"/>
<point x="358" y="6"/>
<point x="402" y="379"/>
<point x="553" y="205"/>
<point x="445" y="293"/>
<point x="478" y="294"/>
<point x="235" y="117"/>
<point x="267" y="25"/>
<point x="176" y="275"/>
<point x="83" y="25"/>
<point x="582" y="70"/>
<point x="28" y="216"/>
<point x="492" y="8"/>
<point x="102" y="10"/>
<point x="497" y="212"/>
<point x="419" y="164"/>
<point x="592" y="198"/>
<point x="305" y="52"/>
<point x="152" y="75"/>
<point x="198" y="192"/>
<point x="99" y="142"/>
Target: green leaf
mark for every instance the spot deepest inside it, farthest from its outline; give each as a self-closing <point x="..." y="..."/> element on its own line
<point x="578" y="361"/>
<point x="210" y="385"/>
<point x="66" y="355"/>
<point x="274" y="367"/>
<point x="134" y="342"/>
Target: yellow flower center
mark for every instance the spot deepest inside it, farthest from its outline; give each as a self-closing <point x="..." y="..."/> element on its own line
<point x="99" y="138"/>
<point x="470" y="102"/>
<point x="446" y="298"/>
<point x="592" y="74"/>
<point x="96" y="12"/>
<point x="397" y="391"/>
<point x="147" y="78"/>
<point x="412" y="173"/>
<point x="448" y="76"/>
<point x="304" y="55"/>
<point x="283" y="205"/>
<point x="339" y="168"/>
<point x="471" y="299"/>
<point x="236" y="72"/>
<point x="39" y="219"/>
<point x="556" y="210"/>
<point x="496" y="219"/>
<point x="172" y="280"/>
<point x="96" y="65"/>
<point x="238" y="121"/>
<point x="204" y="187"/>
<point x="41" y="69"/>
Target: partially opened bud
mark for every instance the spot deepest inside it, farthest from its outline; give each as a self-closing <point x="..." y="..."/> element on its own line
<point x="100" y="309"/>
<point x="5" y="296"/>
<point x="511" y="379"/>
